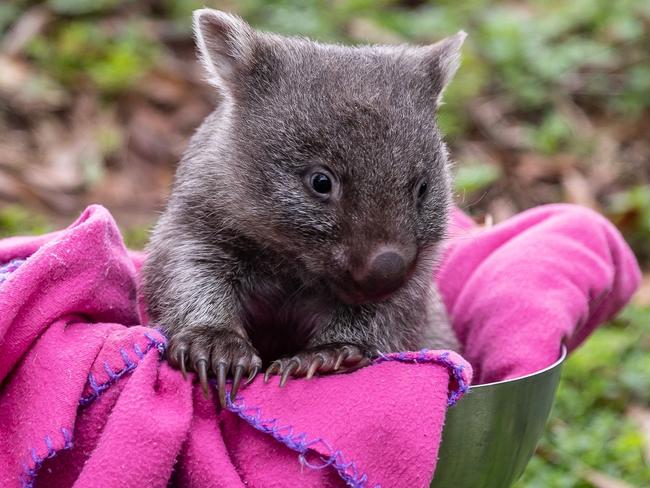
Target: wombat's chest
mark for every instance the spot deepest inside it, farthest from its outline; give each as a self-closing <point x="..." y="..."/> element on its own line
<point x="280" y="321"/>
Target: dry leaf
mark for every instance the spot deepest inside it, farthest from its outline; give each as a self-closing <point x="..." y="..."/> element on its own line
<point x="578" y="190"/>
<point x="29" y="25"/>
<point x="641" y="416"/>
<point x="490" y="117"/>
<point x="602" y="480"/>
<point x="642" y="296"/>
<point x="26" y="91"/>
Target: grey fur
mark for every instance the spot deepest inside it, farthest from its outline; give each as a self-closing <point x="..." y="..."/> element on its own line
<point x="243" y="259"/>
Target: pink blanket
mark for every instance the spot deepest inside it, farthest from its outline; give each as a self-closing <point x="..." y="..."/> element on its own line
<point x="86" y="401"/>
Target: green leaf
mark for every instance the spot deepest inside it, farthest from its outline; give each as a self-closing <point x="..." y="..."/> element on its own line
<point x="474" y="177"/>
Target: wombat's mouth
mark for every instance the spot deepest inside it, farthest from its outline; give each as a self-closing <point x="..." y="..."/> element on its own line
<point x="350" y="297"/>
<point x="349" y="294"/>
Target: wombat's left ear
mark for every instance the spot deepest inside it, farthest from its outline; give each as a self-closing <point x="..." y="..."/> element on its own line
<point x="442" y="60"/>
<point x="225" y="43"/>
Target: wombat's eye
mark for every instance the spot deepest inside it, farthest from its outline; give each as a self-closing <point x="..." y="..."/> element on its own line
<point x="422" y="190"/>
<point x="321" y="183"/>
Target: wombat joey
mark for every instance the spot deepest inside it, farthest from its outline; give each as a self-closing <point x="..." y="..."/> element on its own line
<point x="304" y="221"/>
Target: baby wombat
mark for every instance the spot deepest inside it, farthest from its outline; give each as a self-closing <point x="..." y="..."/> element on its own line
<point x="303" y="225"/>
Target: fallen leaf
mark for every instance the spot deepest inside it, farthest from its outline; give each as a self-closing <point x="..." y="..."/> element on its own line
<point x="490" y="117"/>
<point x="578" y="190"/>
<point x="29" y="25"/>
<point x="641" y="416"/>
<point x="25" y="90"/>
<point x="642" y="296"/>
<point x="602" y="480"/>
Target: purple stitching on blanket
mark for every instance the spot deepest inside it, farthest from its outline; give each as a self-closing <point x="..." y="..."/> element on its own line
<point x="348" y="471"/>
<point x="129" y="365"/>
<point x="299" y="443"/>
<point x="7" y="268"/>
<point x="29" y="474"/>
<point x="459" y="382"/>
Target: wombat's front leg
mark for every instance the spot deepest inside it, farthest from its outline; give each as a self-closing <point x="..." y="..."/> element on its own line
<point x="355" y="336"/>
<point x="190" y="298"/>
<point x="346" y="343"/>
<point x="218" y="350"/>
<point x="323" y="359"/>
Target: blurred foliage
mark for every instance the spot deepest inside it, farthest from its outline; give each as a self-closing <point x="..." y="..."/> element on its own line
<point x="135" y="237"/>
<point x="15" y="220"/>
<point x="82" y="52"/>
<point x="590" y="426"/>
<point x="631" y="211"/>
<point x="473" y="177"/>
<point x="526" y="50"/>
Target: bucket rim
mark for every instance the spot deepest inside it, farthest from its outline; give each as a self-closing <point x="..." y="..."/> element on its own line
<point x="556" y="364"/>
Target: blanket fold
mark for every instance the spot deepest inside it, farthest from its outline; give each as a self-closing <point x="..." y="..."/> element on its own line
<point x="85" y="399"/>
<point x="516" y="291"/>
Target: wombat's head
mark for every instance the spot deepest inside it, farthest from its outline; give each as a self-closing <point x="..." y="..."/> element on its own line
<point x="329" y="154"/>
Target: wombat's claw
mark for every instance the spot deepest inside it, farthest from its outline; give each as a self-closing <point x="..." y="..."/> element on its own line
<point x="180" y="357"/>
<point x="275" y="367"/>
<point x="327" y="359"/>
<point x="294" y="365"/>
<point x="217" y="353"/>
<point x="346" y="352"/>
<point x="285" y="367"/>
<point x="201" y="367"/>
<point x="236" y="380"/>
<point x="318" y="361"/>
<point x="252" y="375"/>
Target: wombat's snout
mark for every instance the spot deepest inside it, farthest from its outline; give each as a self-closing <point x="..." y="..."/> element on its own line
<point x="384" y="271"/>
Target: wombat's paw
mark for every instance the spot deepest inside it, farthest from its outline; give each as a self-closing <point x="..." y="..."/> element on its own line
<point x="326" y="359"/>
<point x="214" y="352"/>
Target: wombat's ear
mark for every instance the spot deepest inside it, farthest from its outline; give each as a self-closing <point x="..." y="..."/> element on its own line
<point x="225" y="44"/>
<point x="442" y="60"/>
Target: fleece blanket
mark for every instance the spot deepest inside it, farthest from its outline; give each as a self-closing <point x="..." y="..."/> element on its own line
<point x="85" y="399"/>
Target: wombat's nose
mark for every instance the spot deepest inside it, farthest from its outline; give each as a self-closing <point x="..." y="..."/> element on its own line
<point x="384" y="272"/>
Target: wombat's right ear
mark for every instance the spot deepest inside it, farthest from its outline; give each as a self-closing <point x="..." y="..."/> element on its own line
<point x="442" y="60"/>
<point x="225" y="44"/>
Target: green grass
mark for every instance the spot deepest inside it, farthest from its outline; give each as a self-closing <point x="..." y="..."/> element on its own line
<point x="16" y="220"/>
<point x="589" y="427"/>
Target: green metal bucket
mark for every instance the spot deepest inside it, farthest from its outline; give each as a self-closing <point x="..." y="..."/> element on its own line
<point x="491" y="434"/>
